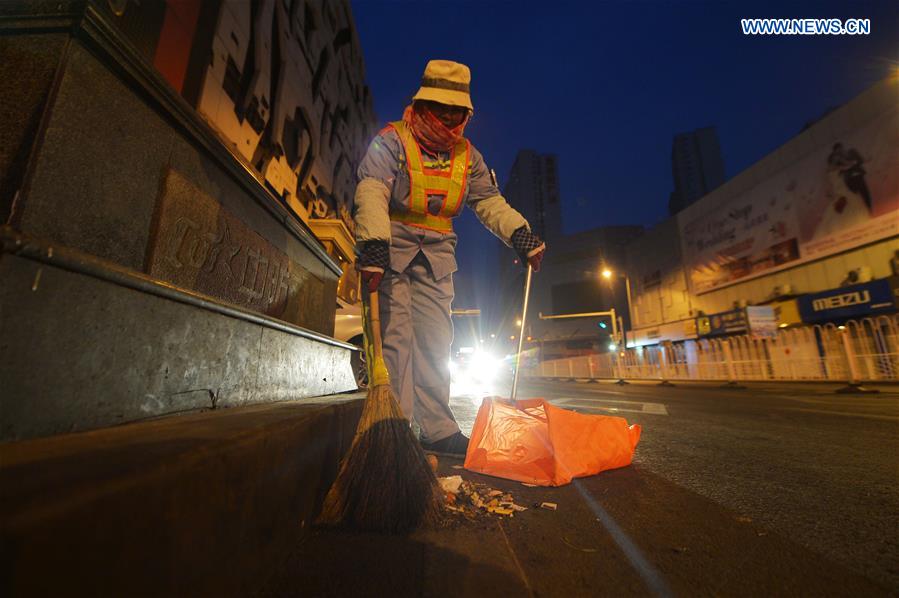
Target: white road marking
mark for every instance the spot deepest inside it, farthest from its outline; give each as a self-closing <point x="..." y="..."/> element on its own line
<point x="650" y="575"/>
<point x="655" y="408"/>
<point x="598" y="404"/>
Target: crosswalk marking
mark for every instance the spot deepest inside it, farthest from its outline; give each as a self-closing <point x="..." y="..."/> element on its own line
<point x="655" y="408"/>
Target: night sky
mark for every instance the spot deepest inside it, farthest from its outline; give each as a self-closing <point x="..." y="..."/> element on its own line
<point x="606" y="85"/>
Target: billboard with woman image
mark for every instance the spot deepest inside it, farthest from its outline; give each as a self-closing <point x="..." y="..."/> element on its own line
<point x="842" y="195"/>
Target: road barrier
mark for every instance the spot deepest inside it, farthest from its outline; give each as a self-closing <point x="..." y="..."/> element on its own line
<point x="865" y="350"/>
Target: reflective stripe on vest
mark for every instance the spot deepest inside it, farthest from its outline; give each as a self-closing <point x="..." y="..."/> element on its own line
<point x="424" y="182"/>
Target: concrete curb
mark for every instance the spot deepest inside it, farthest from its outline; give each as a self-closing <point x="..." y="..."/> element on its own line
<point x="187" y="505"/>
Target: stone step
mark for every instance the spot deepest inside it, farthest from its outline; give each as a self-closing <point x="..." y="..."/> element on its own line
<point x="87" y="343"/>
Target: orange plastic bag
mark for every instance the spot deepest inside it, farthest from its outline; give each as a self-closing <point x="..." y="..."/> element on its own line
<point x="536" y="442"/>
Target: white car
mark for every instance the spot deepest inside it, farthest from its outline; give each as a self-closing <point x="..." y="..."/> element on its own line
<point x="348" y="328"/>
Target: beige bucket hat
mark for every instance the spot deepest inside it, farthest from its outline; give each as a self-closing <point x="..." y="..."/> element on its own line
<point x="446" y="82"/>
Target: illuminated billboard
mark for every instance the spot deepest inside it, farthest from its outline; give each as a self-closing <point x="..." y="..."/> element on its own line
<point x="842" y="195"/>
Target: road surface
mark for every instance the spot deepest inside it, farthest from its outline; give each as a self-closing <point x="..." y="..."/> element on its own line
<point x="771" y="490"/>
<point x="818" y="467"/>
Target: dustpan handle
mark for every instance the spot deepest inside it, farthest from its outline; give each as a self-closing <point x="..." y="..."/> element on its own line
<point x="524" y="316"/>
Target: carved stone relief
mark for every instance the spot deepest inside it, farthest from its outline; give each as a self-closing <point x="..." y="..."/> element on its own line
<point x="199" y="245"/>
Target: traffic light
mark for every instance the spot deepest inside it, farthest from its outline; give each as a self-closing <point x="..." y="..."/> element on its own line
<point x="602" y="324"/>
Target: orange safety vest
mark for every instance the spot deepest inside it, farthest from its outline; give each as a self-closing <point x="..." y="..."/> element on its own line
<point x="425" y="182"/>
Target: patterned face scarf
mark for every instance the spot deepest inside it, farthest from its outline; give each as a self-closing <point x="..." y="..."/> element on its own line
<point x="432" y="134"/>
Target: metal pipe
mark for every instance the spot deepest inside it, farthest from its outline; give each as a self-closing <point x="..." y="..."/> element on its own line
<point x="591" y="314"/>
<point x="524" y="316"/>
<point x="630" y="313"/>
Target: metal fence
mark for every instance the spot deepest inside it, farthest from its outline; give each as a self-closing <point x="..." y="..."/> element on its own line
<point x="863" y="350"/>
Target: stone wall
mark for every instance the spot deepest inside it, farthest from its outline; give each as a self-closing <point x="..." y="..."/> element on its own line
<point x="105" y="157"/>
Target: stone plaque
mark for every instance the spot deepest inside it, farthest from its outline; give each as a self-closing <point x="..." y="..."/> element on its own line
<point x="198" y="245"/>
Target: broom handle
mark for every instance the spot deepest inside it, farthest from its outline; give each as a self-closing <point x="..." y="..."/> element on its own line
<point x="375" y="320"/>
<point x="524" y="315"/>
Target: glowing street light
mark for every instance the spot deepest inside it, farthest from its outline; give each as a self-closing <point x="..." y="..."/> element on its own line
<point x="607" y="273"/>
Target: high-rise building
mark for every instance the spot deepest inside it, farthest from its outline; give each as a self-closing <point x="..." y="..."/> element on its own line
<point x="696" y="165"/>
<point x="533" y="190"/>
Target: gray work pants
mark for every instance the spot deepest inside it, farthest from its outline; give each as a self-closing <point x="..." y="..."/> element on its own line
<point x="417" y="332"/>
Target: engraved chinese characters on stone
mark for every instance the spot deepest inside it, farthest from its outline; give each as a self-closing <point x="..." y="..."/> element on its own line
<point x="200" y="246"/>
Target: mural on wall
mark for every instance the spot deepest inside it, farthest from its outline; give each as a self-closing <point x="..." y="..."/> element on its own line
<point x="282" y="82"/>
<point x="843" y="195"/>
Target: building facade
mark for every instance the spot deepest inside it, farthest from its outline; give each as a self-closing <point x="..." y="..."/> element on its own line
<point x="811" y="231"/>
<point x="282" y="84"/>
<point x="175" y="183"/>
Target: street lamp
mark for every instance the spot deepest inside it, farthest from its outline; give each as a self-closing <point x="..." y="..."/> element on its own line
<point x="607" y="274"/>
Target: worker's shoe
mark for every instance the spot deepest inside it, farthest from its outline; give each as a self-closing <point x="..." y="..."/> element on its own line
<point x="451" y="446"/>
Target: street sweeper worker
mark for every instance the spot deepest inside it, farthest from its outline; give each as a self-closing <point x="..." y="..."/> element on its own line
<point x="417" y="175"/>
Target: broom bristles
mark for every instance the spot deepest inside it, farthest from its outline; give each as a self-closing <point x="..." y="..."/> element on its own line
<point x="385" y="482"/>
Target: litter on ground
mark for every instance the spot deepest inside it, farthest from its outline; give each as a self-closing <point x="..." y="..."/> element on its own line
<point x="472" y="499"/>
<point x="451" y="483"/>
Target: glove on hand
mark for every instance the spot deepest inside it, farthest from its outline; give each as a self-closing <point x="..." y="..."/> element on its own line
<point x="372" y="261"/>
<point x="529" y="247"/>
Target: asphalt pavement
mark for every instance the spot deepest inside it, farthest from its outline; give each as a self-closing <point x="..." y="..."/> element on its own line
<point x="770" y="490"/>
<point x="802" y="461"/>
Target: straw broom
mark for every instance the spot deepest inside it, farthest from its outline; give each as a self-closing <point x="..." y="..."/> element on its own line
<point x="385" y="483"/>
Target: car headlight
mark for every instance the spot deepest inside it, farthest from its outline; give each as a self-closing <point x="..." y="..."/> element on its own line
<point x="483" y="367"/>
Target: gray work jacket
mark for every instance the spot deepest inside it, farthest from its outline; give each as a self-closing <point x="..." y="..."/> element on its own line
<point x="384" y="186"/>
